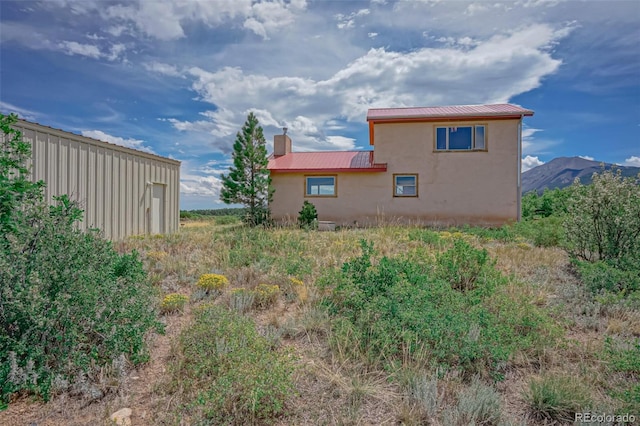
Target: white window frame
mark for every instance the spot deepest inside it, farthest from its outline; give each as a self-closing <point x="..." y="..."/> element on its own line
<point x="395" y="184"/>
<point x="474" y="143"/>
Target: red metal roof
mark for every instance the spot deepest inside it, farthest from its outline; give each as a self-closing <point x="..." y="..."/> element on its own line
<point x="454" y="111"/>
<point x="325" y="161"/>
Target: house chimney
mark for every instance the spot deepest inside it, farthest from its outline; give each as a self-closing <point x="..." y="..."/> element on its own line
<point x="281" y="144"/>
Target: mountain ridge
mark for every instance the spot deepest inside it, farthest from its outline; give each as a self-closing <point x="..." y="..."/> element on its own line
<point x="562" y="171"/>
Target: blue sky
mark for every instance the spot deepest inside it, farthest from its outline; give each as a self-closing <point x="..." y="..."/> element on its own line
<point x="178" y="78"/>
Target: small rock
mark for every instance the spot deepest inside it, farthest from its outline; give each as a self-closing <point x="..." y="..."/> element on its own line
<point x="122" y="417"/>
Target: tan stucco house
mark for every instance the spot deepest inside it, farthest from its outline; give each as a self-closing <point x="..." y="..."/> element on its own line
<point x="431" y="165"/>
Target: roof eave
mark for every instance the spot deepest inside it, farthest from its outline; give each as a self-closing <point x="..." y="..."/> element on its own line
<point x="448" y="117"/>
<point x="380" y="168"/>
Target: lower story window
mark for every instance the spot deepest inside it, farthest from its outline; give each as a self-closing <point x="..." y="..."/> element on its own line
<point x="320" y="186"/>
<point x="405" y="185"/>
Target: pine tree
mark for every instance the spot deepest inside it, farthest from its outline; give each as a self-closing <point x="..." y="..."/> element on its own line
<point x="248" y="182"/>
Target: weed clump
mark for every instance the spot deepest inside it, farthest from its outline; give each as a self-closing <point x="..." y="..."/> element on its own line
<point x="241" y="300"/>
<point x="229" y="372"/>
<point x="556" y="398"/>
<point x="174" y="302"/>
<point x="266" y="295"/>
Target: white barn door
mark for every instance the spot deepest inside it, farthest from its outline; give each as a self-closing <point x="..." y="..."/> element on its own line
<point x="157" y="209"/>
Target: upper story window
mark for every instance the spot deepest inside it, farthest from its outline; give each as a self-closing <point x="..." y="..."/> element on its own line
<point x="463" y="138"/>
<point x="320" y="186"/>
<point x="405" y="185"/>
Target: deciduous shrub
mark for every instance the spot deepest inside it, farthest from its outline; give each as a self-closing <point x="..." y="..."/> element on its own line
<point x="551" y="202"/>
<point x="69" y="303"/>
<point x="603" y="226"/>
<point x="463" y="265"/>
<point x="603" y="221"/>
<point x="406" y="309"/>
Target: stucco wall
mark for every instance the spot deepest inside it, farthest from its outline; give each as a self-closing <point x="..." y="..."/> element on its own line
<point x="479" y="187"/>
<point x="113" y="184"/>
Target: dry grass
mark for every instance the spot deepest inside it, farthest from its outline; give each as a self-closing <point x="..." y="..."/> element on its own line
<point x="330" y="389"/>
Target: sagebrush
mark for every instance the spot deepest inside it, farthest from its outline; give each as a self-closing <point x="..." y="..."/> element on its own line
<point x="69" y="303"/>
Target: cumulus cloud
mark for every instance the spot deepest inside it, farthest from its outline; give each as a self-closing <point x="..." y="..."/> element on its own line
<point x="529" y="162"/>
<point x="206" y="186"/>
<point x="168" y="19"/>
<point x="586" y="157"/>
<point x="633" y="161"/>
<point x="475" y="71"/>
<point x="117" y="140"/>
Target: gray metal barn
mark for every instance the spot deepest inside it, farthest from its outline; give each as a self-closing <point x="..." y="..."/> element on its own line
<point x="122" y="191"/>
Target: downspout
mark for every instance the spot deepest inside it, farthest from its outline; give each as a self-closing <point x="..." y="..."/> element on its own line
<point x="519" y="194"/>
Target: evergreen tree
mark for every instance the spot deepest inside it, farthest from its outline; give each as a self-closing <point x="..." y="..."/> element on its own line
<point x="248" y="182"/>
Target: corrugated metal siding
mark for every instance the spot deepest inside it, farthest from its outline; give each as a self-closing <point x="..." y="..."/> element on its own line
<point x="113" y="184"/>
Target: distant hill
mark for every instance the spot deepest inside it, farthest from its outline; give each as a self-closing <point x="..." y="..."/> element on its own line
<point x="562" y="171"/>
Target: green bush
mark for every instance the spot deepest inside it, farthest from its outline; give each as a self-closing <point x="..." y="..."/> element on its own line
<point x="228" y="372"/>
<point x="69" y="303"/>
<point x="406" y="308"/>
<point x="603" y="220"/>
<point x="463" y="265"/>
<point x="550" y="203"/>
<point x="606" y="276"/>
<point x="308" y="216"/>
<point x="623" y="355"/>
<point x="543" y="232"/>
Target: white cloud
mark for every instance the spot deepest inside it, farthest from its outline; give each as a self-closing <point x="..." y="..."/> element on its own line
<point x="115" y="51"/>
<point x="478" y="71"/>
<point x="116" y="30"/>
<point x="532" y="144"/>
<point x="23" y="113"/>
<point x="207" y="186"/>
<point x="586" y="157"/>
<point x="372" y="35"/>
<point x="348" y="21"/>
<point x="116" y="140"/>
<point x="633" y="161"/>
<point x="530" y="162"/>
<point x="161" y="68"/>
<point x="341" y="142"/>
<point x="168" y="19"/>
<point x="75" y="48"/>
